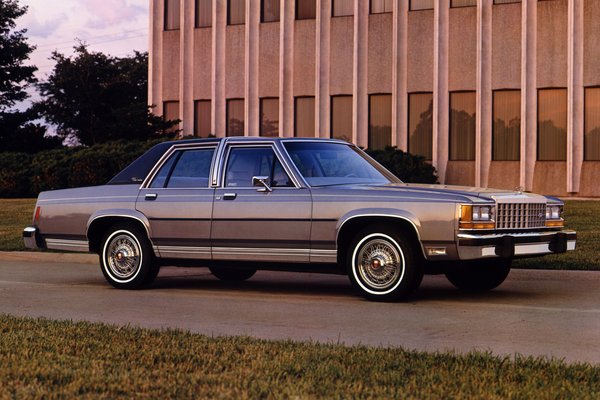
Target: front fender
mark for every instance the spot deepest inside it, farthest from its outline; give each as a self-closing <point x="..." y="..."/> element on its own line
<point x="380" y="212"/>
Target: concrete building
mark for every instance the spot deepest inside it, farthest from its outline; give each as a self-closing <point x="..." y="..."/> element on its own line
<point x="499" y="93"/>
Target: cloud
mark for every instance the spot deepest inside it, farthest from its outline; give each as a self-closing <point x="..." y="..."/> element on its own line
<point x="106" y="13"/>
<point x="39" y="27"/>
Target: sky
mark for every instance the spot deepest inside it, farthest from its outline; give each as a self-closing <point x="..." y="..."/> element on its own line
<point x="115" y="27"/>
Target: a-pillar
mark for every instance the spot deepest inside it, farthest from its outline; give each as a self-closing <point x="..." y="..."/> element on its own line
<point x="528" y="92"/>
<point x="440" y="88"/>
<point x="186" y="68"/>
<point x="155" y="57"/>
<point x="360" y="97"/>
<point x="322" y="102"/>
<point x="252" y="102"/>
<point x="400" y="75"/>
<point x="218" y="110"/>
<point x="286" y="69"/>
<point x="575" y="101"/>
<point x="483" y="138"/>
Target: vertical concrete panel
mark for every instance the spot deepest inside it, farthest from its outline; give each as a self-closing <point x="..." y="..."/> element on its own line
<point x="380" y="53"/>
<point x="462" y="49"/>
<point x="440" y="89"/>
<point x="186" y="87"/>
<point x="304" y="57"/>
<point x="268" y="85"/>
<point x="202" y="63"/>
<point x="575" y="100"/>
<point x="483" y="138"/>
<point x="170" y="65"/>
<point x="400" y="75"/>
<point x="552" y="52"/>
<point x="219" y="29"/>
<point x="528" y="92"/>
<point x="286" y="69"/>
<point x="360" y="96"/>
<point x="506" y="46"/>
<point x="155" y="56"/>
<point x="420" y="51"/>
<point x="322" y="71"/>
<point x="341" y="55"/>
<point x="591" y="43"/>
<point x="251" y="71"/>
<point x="235" y="61"/>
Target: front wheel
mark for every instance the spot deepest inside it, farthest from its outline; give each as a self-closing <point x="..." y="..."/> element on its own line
<point x="127" y="260"/>
<point x="382" y="265"/>
<point x="480" y="275"/>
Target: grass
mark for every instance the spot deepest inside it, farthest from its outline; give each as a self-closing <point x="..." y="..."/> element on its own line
<point x="49" y="359"/>
<point x="15" y="214"/>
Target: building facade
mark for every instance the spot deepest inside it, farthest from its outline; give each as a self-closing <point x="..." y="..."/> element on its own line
<point x="498" y="93"/>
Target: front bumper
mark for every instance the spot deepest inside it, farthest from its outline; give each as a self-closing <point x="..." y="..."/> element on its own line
<point x="514" y="245"/>
<point x="32" y="238"/>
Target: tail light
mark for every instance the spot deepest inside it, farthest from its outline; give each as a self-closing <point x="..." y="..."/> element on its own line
<point x="36" y="218"/>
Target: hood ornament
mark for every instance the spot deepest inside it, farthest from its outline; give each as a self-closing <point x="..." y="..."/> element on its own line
<point x="519" y="189"/>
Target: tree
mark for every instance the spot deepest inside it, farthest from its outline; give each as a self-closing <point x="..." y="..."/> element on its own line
<point x="95" y="98"/>
<point x="15" y="77"/>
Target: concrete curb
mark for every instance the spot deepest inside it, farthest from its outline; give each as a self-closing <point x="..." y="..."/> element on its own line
<point x="71" y="258"/>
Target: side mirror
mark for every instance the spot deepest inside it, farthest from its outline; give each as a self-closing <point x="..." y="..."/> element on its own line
<point x="262" y="182"/>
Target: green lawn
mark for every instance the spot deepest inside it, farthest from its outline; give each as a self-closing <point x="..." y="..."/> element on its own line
<point x="582" y="216"/>
<point x="49" y="359"/>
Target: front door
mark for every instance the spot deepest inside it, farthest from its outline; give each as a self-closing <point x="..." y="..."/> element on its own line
<point x="178" y="204"/>
<point x="254" y="223"/>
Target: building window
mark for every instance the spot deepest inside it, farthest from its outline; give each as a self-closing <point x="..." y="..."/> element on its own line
<point x="202" y="121"/>
<point x="506" y="125"/>
<point x="506" y="1"/>
<point x="172" y="14"/>
<point x="416" y="5"/>
<point x="306" y="9"/>
<point x="341" y="117"/>
<point x="420" y="124"/>
<point x="235" y="117"/>
<point x="236" y="12"/>
<point x="171" y="113"/>
<point x="203" y="13"/>
<point x="380" y="121"/>
<point x="552" y="125"/>
<point x="304" y="117"/>
<point x="463" y="3"/>
<point x="462" y="126"/>
<point x="592" y="124"/>
<point x="269" y="117"/>
<point x="269" y="11"/>
<point x="342" y="8"/>
<point x="382" y="6"/>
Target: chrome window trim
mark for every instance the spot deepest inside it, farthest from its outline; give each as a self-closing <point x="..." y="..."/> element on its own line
<point x="266" y="143"/>
<point x="180" y="147"/>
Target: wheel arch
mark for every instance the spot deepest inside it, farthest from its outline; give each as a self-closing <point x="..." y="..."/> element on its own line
<point x="350" y="224"/>
<point x="101" y="221"/>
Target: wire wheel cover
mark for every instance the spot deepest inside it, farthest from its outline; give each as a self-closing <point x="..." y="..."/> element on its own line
<point x="379" y="264"/>
<point x="123" y="256"/>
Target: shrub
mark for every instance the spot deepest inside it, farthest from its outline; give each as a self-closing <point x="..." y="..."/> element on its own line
<point x="408" y="167"/>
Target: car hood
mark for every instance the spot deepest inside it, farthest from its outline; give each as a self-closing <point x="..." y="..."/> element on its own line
<point x="446" y="191"/>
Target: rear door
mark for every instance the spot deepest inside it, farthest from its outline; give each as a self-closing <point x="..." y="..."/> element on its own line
<point x="178" y="203"/>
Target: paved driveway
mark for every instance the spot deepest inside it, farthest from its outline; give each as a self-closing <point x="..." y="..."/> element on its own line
<point x="550" y="313"/>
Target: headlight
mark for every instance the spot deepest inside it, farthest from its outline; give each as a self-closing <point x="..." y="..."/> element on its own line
<point x="554" y="216"/>
<point x="477" y="217"/>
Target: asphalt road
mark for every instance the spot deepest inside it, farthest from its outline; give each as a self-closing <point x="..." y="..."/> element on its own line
<point x="539" y="313"/>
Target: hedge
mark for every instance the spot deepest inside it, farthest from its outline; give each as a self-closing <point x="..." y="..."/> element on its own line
<point x="25" y="175"/>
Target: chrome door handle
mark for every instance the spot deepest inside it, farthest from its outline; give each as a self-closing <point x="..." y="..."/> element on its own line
<point x="151" y="196"/>
<point x="229" y="196"/>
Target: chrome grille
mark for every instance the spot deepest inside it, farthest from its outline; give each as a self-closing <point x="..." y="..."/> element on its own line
<point x="520" y="215"/>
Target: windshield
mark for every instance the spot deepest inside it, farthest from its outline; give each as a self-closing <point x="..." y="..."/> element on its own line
<point x="326" y="164"/>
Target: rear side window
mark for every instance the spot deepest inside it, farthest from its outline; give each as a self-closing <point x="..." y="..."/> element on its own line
<point x="185" y="169"/>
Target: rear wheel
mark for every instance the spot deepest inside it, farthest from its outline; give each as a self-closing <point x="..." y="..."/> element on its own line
<point x="127" y="260"/>
<point x="232" y="274"/>
<point x="481" y="275"/>
<point x="382" y="265"/>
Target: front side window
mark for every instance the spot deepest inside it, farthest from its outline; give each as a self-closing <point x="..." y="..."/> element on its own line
<point x="244" y="163"/>
<point x="327" y="164"/>
<point x="185" y="169"/>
